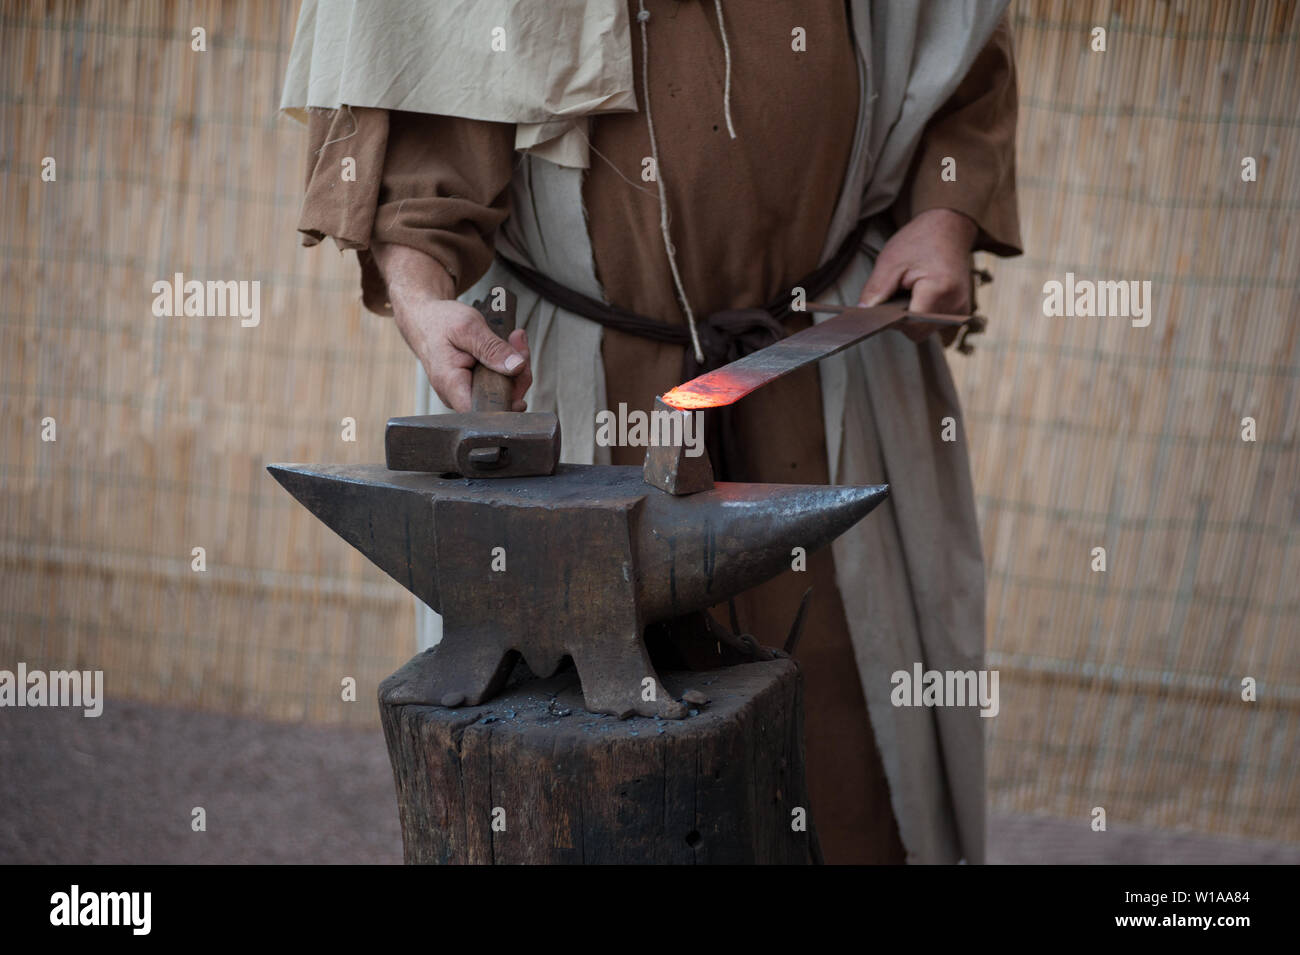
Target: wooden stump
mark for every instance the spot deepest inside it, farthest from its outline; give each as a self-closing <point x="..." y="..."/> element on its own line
<point x="532" y="777"/>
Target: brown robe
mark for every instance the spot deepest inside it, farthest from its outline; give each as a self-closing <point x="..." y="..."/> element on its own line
<point x="749" y="217"/>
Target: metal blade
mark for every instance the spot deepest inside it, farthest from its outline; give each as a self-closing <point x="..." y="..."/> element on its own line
<point x="730" y="383"/>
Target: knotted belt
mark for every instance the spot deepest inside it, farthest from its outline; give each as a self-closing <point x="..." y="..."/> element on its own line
<point x="724" y="336"/>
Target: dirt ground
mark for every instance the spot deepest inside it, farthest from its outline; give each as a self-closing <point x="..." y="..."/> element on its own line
<point x="123" y="788"/>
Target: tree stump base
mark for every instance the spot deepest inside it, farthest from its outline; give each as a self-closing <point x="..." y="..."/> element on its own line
<point x="532" y="777"/>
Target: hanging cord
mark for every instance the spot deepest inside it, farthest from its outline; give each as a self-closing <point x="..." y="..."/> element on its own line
<point x="642" y="16"/>
<point x="726" y="53"/>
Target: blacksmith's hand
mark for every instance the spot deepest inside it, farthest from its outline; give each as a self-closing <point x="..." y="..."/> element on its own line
<point x="448" y="337"/>
<point x="931" y="258"/>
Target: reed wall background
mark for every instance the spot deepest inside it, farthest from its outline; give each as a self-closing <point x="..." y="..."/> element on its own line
<point x="1123" y="689"/>
<point x="1119" y="690"/>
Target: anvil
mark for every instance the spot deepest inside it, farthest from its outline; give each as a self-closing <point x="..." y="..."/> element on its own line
<point x="576" y="563"/>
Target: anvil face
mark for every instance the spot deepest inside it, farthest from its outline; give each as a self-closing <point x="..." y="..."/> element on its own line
<point x="572" y="564"/>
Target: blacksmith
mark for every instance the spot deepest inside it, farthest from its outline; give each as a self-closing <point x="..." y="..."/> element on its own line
<point x="692" y="161"/>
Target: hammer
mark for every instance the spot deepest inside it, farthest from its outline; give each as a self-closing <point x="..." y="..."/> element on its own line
<point x="489" y="440"/>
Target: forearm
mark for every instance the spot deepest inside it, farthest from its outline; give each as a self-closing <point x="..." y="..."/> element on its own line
<point x="958" y="227"/>
<point x="413" y="277"/>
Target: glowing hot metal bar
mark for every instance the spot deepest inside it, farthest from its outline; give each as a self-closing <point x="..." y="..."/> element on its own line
<point x="732" y="382"/>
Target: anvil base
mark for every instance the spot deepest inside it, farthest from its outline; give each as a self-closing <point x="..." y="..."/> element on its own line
<point x="533" y="777"/>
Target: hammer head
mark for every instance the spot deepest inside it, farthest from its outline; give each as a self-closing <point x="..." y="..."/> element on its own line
<point x="475" y="443"/>
<point x="489" y="441"/>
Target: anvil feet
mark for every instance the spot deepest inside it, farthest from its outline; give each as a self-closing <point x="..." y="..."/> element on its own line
<point x="617" y="678"/>
<point x="450" y="675"/>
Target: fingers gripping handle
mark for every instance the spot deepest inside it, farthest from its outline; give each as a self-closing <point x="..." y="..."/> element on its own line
<point x="491" y="390"/>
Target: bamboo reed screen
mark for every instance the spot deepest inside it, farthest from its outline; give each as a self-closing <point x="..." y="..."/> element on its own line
<point x="171" y="160"/>
<point x="1119" y="689"/>
<point x="1123" y="689"/>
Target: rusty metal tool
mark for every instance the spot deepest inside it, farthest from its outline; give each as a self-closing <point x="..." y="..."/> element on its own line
<point x="732" y="382"/>
<point x="572" y="564"/>
<point x="670" y="463"/>
<point x="490" y="440"/>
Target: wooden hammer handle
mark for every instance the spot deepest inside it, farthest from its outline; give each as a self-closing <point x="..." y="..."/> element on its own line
<point x="491" y="390"/>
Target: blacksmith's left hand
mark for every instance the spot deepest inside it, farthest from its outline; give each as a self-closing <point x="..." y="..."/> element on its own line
<point x="931" y="258"/>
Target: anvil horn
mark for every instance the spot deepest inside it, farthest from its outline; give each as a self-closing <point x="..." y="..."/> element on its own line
<point x="705" y="548"/>
<point x="571" y="564"/>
